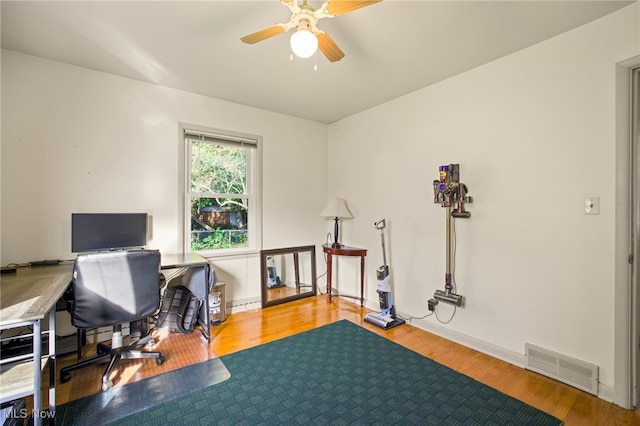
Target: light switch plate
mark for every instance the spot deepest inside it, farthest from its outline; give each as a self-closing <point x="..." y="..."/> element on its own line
<point x="592" y="205"/>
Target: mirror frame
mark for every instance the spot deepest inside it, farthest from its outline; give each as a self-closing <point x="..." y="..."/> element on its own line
<point x="264" y="275"/>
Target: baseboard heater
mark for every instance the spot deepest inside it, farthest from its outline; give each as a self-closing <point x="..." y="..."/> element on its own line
<point x="580" y="374"/>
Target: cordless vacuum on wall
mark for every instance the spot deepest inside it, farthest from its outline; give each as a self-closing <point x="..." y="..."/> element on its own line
<point x="451" y="194"/>
<point x="386" y="318"/>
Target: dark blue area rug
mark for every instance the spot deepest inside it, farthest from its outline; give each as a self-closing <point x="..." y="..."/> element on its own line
<point x="339" y="374"/>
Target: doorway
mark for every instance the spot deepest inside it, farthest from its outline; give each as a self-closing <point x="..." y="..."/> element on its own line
<point x="626" y="390"/>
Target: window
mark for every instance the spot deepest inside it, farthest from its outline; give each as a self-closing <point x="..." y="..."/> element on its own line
<point x="222" y="203"/>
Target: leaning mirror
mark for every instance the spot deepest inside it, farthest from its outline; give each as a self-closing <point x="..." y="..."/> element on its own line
<point x="287" y="274"/>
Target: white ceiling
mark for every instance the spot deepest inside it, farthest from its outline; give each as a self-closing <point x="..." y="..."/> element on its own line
<point x="392" y="48"/>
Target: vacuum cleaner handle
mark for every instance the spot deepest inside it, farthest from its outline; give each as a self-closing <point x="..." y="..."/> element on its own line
<point x="381" y="225"/>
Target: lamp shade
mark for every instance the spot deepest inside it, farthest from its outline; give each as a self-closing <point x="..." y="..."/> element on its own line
<point x="304" y="43"/>
<point x="336" y="207"/>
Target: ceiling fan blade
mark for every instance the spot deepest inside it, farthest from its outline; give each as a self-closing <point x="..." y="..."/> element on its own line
<point x="289" y="3"/>
<point x="329" y="48"/>
<point x="264" y="34"/>
<point x="340" y="7"/>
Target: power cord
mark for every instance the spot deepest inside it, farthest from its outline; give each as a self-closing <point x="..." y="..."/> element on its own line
<point x="328" y="240"/>
<point x="449" y="320"/>
<point x="409" y="319"/>
<point x="317" y="278"/>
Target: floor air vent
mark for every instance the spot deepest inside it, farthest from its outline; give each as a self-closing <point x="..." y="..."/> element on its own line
<point x="580" y="374"/>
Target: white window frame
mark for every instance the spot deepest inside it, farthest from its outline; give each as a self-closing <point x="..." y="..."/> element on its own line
<point x="254" y="185"/>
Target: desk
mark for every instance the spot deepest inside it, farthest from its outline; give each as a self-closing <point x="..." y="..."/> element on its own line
<point x="32" y="292"/>
<point x="27" y="296"/>
<point x="194" y="272"/>
<point x="344" y="251"/>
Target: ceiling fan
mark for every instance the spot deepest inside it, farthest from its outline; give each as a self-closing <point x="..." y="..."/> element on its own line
<point x="308" y="37"/>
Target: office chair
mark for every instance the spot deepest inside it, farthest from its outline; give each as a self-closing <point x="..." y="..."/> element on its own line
<point x="109" y="289"/>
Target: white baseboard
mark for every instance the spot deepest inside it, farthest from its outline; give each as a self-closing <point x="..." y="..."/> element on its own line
<point x="470" y="342"/>
<point x="604" y="392"/>
<point x="242" y="305"/>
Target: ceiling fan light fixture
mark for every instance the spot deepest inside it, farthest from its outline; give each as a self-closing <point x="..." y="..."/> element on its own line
<point x="303" y="43"/>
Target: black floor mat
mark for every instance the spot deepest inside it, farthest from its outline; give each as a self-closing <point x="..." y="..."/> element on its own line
<point x="123" y="401"/>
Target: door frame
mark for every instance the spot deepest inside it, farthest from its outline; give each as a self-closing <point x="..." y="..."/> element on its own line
<point x="626" y="297"/>
<point x="634" y="142"/>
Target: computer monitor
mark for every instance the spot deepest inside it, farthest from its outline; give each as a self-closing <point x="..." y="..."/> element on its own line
<point x="107" y="231"/>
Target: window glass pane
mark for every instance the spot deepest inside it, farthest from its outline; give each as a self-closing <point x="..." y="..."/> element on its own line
<point x="219" y="223"/>
<point x="220" y="169"/>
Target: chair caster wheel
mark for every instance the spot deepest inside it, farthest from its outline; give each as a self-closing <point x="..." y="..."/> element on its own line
<point x="160" y="360"/>
<point x="106" y="385"/>
<point x="65" y="377"/>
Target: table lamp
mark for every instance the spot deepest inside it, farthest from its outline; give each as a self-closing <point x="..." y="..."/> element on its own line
<point x="337" y="209"/>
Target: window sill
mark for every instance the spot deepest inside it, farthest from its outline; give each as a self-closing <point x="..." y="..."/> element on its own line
<point x="228" y="254"/>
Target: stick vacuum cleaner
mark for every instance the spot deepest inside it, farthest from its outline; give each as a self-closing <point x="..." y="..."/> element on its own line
<point x="386" y="318"/>
<point x="451" y="194"/>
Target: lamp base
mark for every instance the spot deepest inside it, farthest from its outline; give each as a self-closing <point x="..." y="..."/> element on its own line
<point x="335" y="243"/>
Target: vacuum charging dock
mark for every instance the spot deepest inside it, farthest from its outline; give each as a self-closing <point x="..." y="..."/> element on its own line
<point x="451" y="298"/>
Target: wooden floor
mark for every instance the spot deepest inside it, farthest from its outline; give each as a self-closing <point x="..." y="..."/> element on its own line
<point x="252" y="328"/>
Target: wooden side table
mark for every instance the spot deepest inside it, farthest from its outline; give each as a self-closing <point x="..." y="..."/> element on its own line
<point x="344" y="251"/>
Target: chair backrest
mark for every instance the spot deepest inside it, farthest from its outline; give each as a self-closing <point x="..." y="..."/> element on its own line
<point x="115" y="287"/>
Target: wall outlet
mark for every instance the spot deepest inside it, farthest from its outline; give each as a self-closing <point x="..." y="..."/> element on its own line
<point x="431" y="304"/>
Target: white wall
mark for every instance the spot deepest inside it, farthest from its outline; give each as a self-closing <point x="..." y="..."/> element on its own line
<point x="76" y="140"/>
<point x="534" y="134"/>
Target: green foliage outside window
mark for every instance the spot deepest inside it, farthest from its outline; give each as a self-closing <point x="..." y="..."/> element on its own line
<point x="218" y="239"/>
<point x="219" y="201"/>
